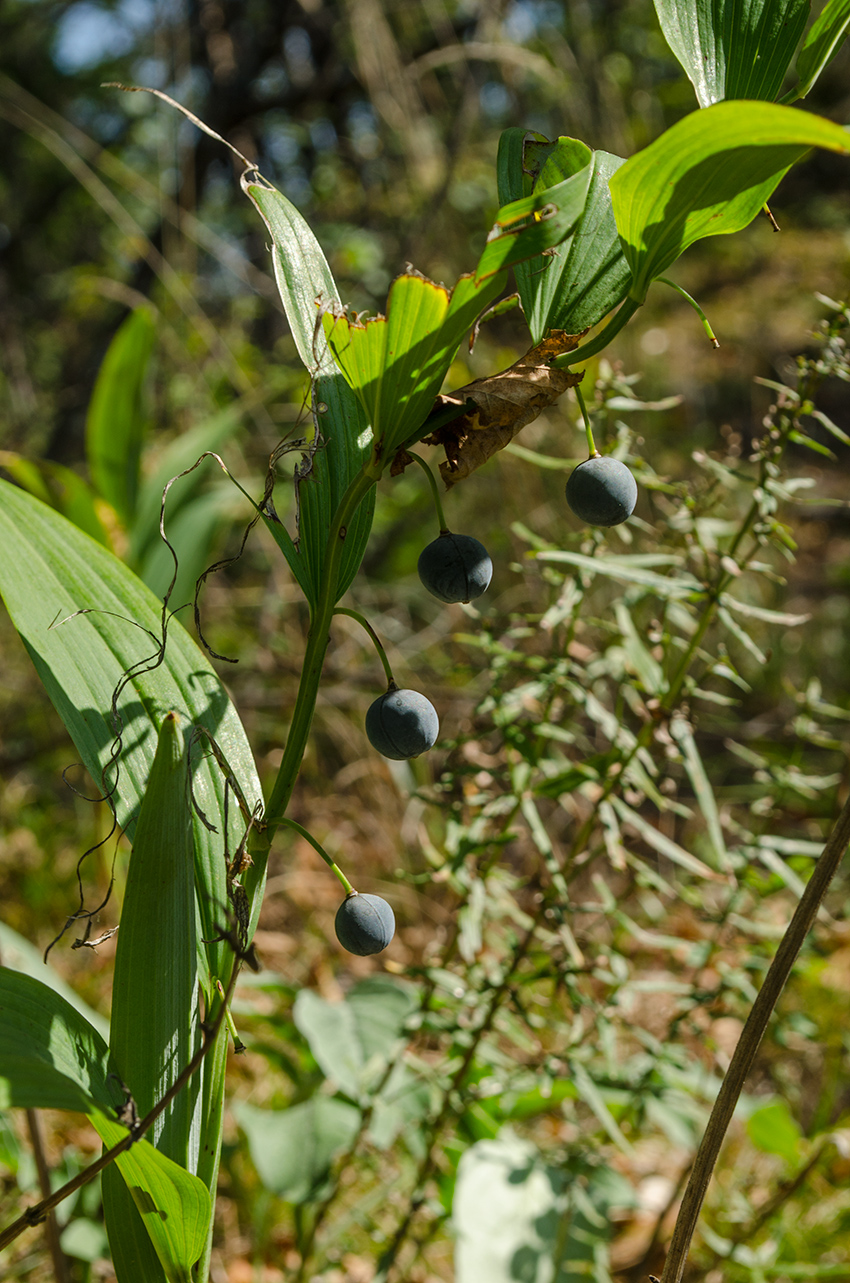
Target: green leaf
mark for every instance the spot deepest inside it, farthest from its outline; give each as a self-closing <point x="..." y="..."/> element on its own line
<point x="627" y="570"/>
<point x="708" y="175"/>
<point x="58" y="487"/>
<point x="354" y="1040"/>
<point x="293" y="1149"/>
<point x="396" y="363"/>
<point x="822" y="43"/>
<point x="733" y="48"/>
<point x="19" y="955"/>
<point x="586" y="275"/>
<point x="174" y="1207"/>
<point x="683" y="735"/>
<point x="527" y="227"/>
<point x="154" y="1027"/>
<point x="345" y="443"/>
<point x="774" y="1130"/>
<point x="50" y="571"/>
<point x="50" y="1056"/>
<point x="116" y="420"/>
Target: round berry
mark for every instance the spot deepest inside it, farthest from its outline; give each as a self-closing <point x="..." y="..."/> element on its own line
<point x="402" y="724"/>
<point x="601" y="491"/>
<point x="455" y="567"/>
<point x="364" y="924"/>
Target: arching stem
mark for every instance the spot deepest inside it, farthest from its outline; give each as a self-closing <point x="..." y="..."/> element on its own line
<point x="435" y="493"/>
<point x="364" y="623"/>
<point x="706" y="325"/>
<point x="317" y="846"/>
<point x="591" y="444"/>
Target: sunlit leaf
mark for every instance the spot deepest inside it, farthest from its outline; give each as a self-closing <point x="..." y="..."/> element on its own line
<point x="733" y="48"/>
<point x="293" y="1148"/>
<point x="396" y="363"/>
<point x="708" y="175"/>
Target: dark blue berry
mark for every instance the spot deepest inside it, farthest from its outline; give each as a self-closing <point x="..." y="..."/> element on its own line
<point x="402" y="724"/>
<point x="601" y="491"/>
<point x="455" y="567"/>
<point x="364" y="924"/>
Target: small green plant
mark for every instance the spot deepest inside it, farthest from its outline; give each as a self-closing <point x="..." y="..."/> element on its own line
<point x="586" y="234"/>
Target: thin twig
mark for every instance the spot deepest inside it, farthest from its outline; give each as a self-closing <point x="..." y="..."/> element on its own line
<point x="51" y="1228"/>
<point x="748" y="1044"/>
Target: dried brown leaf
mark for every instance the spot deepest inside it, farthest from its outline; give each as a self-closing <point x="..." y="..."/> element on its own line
<point x="504" y="404"/>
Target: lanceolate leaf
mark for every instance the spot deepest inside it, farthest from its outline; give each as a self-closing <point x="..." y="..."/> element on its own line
<point x="155" y="991"/>
<point x="50" y="571"/>
<point x="527" y="227"/>
<point x="733" y="48"/>
<point x="115" y="422"/>
<point x="822" y="43"/>
<point x="50" y="1057"/>
<point x="586" y="276"/>
<point x="708" y="175"/>
<point x="343" y="443"/>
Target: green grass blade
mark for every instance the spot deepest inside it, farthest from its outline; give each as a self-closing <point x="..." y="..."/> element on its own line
<point x="708" y="175"/>
<point x="154" y="1026"/>
<point x="115" y="422"/>
<point x="49" y="571"/>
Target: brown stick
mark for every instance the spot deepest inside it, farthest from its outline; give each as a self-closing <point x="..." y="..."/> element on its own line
<point x="51" y="1229"/>
<point x="748" y="1044"/>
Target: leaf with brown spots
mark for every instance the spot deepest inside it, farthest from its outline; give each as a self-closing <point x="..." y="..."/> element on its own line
<point x="504" y="404"/>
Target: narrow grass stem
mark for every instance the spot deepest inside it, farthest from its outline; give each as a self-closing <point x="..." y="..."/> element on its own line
<point x="706" y="325"/>
<point x="376" y="641"/>
<point x="591" y="444"/>
<point x="435" y="494"/>
<point x="748" y="1044"/>
<point x="317" y="846"/>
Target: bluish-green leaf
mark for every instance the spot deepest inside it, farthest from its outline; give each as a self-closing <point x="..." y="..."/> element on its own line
<point x="51" y="570"/>
<point x="733" y="48"/>
<point x="354" y="1040"/>
<point x="116" y="419"/>
<point x="293" y="1148"/>
<point x="708" y="175"/>
<point x="822" y="43"/>
<point x="19" y="954"/>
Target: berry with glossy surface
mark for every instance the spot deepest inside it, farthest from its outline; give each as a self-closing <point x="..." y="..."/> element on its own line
<point x="364" y="924"/>
<point x="601" y="491"/>
<point x="402" y="724"/>
<point x="455" y="567"/>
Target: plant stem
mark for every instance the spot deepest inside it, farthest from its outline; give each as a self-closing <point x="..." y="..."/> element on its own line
<point x="364" y="623"/>
<point x="748" y="1045"/>
<point x="51" y="1228"/>
<point x="586" y="350"/>
<point x="308" y="837"/>
<point x="591" y="444"/>
<point x="435" y="494"/>
<point x="317" y="644"/>
<point x="665" y="280"/>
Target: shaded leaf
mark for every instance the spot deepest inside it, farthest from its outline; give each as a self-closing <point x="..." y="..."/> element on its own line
<point x="505" y="403"/>
<point x="353" y="1040"/>
<point x="822" y="43"/>
<point x="154" y="1028"/>
<point x="116" y="420"/>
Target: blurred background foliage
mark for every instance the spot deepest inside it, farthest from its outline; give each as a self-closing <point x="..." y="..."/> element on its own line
<point x="581" y="1061"/>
